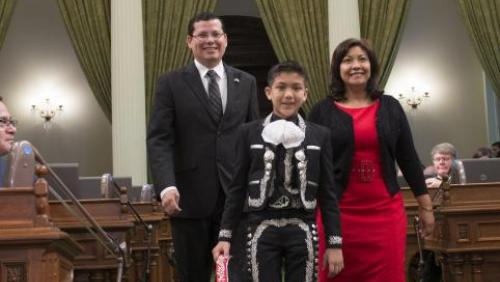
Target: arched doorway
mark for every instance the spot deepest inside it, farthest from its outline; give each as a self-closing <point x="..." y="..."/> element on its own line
<point x="250" y="50"/>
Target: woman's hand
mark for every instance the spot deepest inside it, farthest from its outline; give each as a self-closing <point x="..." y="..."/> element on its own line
<point x="334" y="260"/>
<point x="427" y="222"/>
<point x="426" y="215"/>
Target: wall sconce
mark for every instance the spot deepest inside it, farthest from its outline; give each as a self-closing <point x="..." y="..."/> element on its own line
<point x="414" y="99"/>
<point x="46" y="110"/>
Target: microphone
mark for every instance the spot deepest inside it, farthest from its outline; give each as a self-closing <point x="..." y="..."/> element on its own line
<point x="462" y="178"/>
<point x="106" y="181"/>
<point x="21" y="165"/>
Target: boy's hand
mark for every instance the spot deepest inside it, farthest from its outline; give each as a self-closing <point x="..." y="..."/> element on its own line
<point x="222" y="248"/>
<point x="334" y="261"/>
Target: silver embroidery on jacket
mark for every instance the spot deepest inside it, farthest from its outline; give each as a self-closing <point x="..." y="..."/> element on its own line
<point x="334" y="240"/>
<point x="312" y="183"/>
<point x="257" y="146"/>
<point x="288" y="173"/>
<point x="225" y="233"/>
<point x="302" y="167"/>
<point x="281" y="202"/>
<point x="268" y="167"/>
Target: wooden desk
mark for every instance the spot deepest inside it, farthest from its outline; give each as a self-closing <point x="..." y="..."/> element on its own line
<point x="41" y="241"/>
<point x="95" y="263"/>
<point x="467" y="234"/>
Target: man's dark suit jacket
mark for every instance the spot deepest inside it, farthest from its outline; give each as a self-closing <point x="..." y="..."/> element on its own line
<point x="186" y="147"/>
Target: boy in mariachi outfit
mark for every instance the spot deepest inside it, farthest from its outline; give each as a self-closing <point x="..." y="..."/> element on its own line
<point x="284" y="171"/>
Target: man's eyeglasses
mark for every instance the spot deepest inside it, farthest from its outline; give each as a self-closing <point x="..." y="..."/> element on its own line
<point x="4" y="122"/>
<point x="206" y="35"/>
<point x="444" y="159"/>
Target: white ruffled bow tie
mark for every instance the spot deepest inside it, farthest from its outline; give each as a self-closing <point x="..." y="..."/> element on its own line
<point x="283" y="132"/>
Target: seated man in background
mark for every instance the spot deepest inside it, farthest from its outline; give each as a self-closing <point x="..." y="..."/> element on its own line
<point x="495" y="149"/>
<point x="7" y="133"/>
<point x="443" y="160"/>
<point x="443" y="165"/>
<point x="482" y="153"/>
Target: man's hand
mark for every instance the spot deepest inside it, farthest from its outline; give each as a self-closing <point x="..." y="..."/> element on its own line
<point x="170" y="202"/>
<point x="222" y="248"/>
<point x="334" y="260"/>
<point x="433" y="182"/>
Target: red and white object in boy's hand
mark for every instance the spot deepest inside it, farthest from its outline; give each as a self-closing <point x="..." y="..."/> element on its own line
<point x="221" y="273"/>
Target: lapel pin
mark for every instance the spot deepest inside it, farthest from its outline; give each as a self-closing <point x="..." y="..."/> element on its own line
<point x="237" y="80"/>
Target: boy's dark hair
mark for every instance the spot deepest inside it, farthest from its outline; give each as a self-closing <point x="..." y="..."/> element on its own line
<point x="1" y="99"/>
<point x="286" y="67"/>
<point x="337" y="86"/>
<point x="203" y="16"/>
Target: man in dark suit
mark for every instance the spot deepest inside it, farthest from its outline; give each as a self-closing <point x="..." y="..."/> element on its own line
<point x="191" y="142"/>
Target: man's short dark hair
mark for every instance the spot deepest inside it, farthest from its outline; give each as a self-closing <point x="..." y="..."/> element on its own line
<point x="1" y="99"/>
<point x="286" y="67"/>
<point x="203" y="16"/>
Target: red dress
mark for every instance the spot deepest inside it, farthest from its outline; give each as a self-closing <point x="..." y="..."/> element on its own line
<point x="373" y="223"/>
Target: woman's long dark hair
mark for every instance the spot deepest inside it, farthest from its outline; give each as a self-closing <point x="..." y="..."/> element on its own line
<point x="337" y="85"/>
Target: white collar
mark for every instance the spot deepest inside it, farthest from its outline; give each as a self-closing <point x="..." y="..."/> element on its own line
<point x="219" y="69"/>
<point x="283" y="132"/>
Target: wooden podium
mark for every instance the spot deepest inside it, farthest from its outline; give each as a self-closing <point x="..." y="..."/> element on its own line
<point x="161" y="244"/>
<point x="43" y="241"/>
<point x="95" y="263"/>
<point x="31" y="247"/>
<point x="466" y="239"/>
<point x="113" y="215"/>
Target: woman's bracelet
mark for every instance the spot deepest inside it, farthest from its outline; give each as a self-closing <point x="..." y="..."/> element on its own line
<point x="426" y="209"/>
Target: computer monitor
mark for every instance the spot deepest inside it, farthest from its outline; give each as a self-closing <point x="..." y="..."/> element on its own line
<point x="68" y="173"/>
<point x="482" y="170"/>
<point x="90" y="186"/>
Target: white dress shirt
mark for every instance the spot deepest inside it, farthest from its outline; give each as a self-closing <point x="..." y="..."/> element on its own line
<point x="221" y="80"/>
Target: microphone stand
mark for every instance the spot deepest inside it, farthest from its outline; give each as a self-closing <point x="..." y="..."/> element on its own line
<point x="445" y="180"/>
<point x="147" y="227"/>
<point x="420" y="267"/>
<point x="95" y="229"/>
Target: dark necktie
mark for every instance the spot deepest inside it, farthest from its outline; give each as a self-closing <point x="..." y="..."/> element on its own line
<point x="214" y="96"/>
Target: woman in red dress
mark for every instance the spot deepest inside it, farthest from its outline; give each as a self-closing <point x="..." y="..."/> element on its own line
<point x="370" y="133"/>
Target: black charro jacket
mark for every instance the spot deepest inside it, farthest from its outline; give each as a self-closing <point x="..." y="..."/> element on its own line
<point x="396" y="144"/>
<point x="246" y="194"/>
